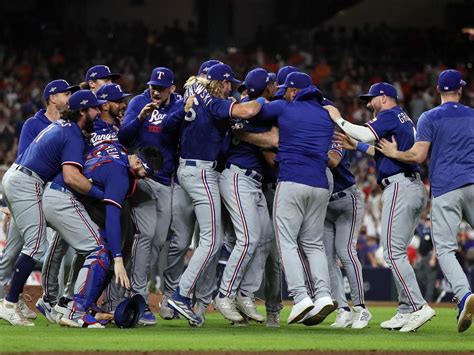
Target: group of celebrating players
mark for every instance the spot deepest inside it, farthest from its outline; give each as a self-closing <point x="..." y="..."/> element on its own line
<point x="263" y="184"/>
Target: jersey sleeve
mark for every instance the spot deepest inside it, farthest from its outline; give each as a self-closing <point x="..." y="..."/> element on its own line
<point x="271" y="110"/>
<point x="221" y="109"/>
<point x="382" y="125"/>
<point x="337" y="149"/>
<point x="424" y="129"/>
<point x="131" y="124"/>
<point x="73" y="148"/>
<point x="27" y="135"/>
<point x="116" y="184"/>
<point x="172" y="121"/>
<point x="113" y="230"/>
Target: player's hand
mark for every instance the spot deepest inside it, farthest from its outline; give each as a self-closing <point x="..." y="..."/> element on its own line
<point x="387" y="148"/>
<point x="344" y="141"/>
<point x="120" y="273"/>
<point x="189" y="103"/>
<point x="147" y="110"/>
<point x="333" y="112"/>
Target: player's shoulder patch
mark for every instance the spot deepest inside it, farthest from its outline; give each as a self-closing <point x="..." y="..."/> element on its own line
<point x="373" y="120"/>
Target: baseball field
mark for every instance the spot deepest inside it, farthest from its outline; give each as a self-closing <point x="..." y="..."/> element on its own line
<point x="439" y="335"/>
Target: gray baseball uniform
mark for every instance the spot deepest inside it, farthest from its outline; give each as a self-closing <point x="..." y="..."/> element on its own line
<point x="10" y="254"/>
<point x="152" y="214"/>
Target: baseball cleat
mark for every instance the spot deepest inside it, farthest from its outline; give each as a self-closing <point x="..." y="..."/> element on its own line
<point x="418" y="318"/>
<point x="466" y="310"/>
<point x="396" y="322"/>
<point x="227" y="308"/>
<point x="299" y="310"/>
<point x="273" y="320"/>
<point x="148" y="318"/>
<point x="81" y="321"/>
<point x="361" y="317"/>
<point x="166" y="312"/>
<point x="47" y="310"/>
<point x="343" y="319"/>
<point x="241" y="324"/>
<point x="322" y="308"/>
<point x="182" y="305"/>
<point x="11" y="312"/>
<point x="246" y="305"/>
<point x="61" y="308"/>
<point x="27" y="311"/>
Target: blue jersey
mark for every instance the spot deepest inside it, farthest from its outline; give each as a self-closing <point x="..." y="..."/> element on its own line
<point x="60" y="143"/>
<point x="246" y="155"/>
<point x="388" y="123"/>
<point x="103" y="133"/>
<point x="343" y="177"/>
<point x="31" y="128"/>
<point x="306" y="132"/>
<point x="450" y="130"/>
<point x="135" y="134"/>
<point x="205" y="126"/>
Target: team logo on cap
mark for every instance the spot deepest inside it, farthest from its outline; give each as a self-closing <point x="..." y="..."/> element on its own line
<point x="53" y="89"/>
<point x="118" y="88"/>
<point x="159" y="75"/>
<point x="84" y="102"/>
<point x="93" y="75"/>
<point x="104" y="95"/>
<point x="226" y="75"/>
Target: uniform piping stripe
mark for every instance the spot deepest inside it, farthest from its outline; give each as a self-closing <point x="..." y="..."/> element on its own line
<point x="357" y="269"/>
<point x="73" y="163"/>
<point x="246" y="234"/>
<point x="389" y="247"/>
<point x="94" y="235"/>
<point x="112" y="202"/>
<point x="54" y="245"/>
<point x="373" y="131"/>
<point x="39" y="237"/>
<point x="306" y="270"/>
<point x="213" y="231"/>
<point x="275" y="227"/>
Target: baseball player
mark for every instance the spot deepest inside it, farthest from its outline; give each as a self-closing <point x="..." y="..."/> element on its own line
<point x="55" y="95"/>
<point x="104" y="131"/>
<point x="301" y="199"/>
<point x="57" y="148"/>
<point x="446" y="135"/>
<point x="182" y="226"/>
<point x="404" y="198"/>
<point x="114" y="172"/>
<point x="206" y="121"/>
<point x="341" y="228"/>
<point x="142" y="126"/>
<point x="98" y="76"/>
<point x="240" y="186"/>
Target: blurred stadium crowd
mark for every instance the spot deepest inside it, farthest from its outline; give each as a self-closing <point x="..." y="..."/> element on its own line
<point x="342" y="62"/>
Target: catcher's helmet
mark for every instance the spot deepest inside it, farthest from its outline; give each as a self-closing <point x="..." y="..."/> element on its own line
<point x="128" y="312"/>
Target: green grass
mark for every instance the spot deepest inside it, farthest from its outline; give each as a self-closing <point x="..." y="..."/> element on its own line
<point x="438" y="335"/>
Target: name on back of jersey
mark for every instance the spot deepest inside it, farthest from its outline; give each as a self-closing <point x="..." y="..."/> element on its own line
<point x="200" y="91"/>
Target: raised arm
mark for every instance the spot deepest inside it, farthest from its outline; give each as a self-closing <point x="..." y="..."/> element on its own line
<point x="361" y="133"/>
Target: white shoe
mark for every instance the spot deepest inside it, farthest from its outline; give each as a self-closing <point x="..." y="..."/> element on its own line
<point x="418" y="318"/>
<point x="343" y="319"/>
<point x="396" y="322"/>
<point x="361" y="318"/>
<point x="11" y="312"/>
<point x="323" y="307"/>
<point x="227" y="308"/>
<point x="47" y="310"/>
<point x="247" y="306"/>
<point x="27" y="311"/>
<point x="299" y="310"/>
<point x="84" y="321"/>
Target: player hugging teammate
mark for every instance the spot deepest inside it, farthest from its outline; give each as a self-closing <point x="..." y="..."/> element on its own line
<point x="261" y="184"/>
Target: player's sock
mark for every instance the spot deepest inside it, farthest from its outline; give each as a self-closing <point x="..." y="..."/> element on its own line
<point x="360" y="305"/>
<point x="23" y="268"/>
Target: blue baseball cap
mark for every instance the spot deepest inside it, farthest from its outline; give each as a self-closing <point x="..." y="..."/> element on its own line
<point x="297" y="80"/>
<point x="83" y="99"/>
<point x="58" y="86"/>
<point x="205" y="66"/>
<point x="256" y="81"/>
<point x="450" y="80"/>
<point x="111" y="92"/>
<point x="379" y="89"/>
<point x="129" y="311"/>
<point x="221" y="72"/>
<point x="101" y="72"/>
<point x="283" y="73"/>
<point x="161" y="76"/>
<point x="272" y="76"/>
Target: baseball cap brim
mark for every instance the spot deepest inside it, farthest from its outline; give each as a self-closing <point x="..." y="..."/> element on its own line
<point x="234" y="80"/>
<point x="366" y="97"/>
<point x="72" y="88"/>
<point x="158" y="83"/>
<point x="280" y="92"/>
<point x="241" y="88"/>
<point x="100" y="103"/>
<point x="113" y="76"/>
<point x="282" y="86"/>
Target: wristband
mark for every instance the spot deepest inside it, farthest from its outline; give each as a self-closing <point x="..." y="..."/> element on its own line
<point x="362" y="147"/>
<point x="261" y="100"/>
<point x="95" y="192"/>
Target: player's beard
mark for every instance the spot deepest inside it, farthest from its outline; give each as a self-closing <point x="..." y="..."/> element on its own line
<point x="89" y="125"/>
